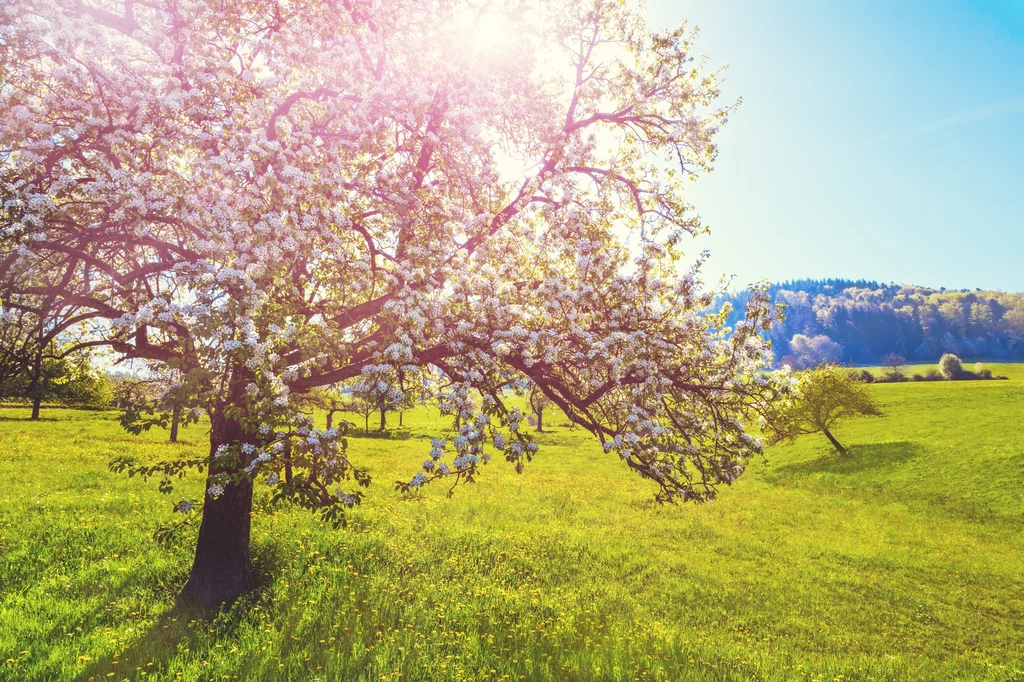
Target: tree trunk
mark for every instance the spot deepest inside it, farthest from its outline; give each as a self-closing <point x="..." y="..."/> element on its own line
<point x="383" y="419"/>
<point x="835" y="443"/>
<point x="175" y="421"/>
<point x="400" y="415"/>
<point x="540" y="421"/>
<point x="330" y="419"/>
<point x="35" y="387"/>
<point x="288" y="462"/>
<point x="222" y="569"/>
<point x="366" y="423"/>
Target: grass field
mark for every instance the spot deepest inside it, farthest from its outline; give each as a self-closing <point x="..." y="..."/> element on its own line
<point x="903" y="561"/>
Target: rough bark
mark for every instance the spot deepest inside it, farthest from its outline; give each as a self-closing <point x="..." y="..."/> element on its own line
<point x="36" y="404"/>
<point x="222" y="568"/>
<point x="175" y="421"/>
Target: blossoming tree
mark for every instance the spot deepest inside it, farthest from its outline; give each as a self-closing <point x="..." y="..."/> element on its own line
<point x="268" y="197"/>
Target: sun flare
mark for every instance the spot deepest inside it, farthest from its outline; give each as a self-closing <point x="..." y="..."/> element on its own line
<point x="492" y="32"/>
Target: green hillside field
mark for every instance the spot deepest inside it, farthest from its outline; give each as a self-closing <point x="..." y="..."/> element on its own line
<point x="903" y="561"/>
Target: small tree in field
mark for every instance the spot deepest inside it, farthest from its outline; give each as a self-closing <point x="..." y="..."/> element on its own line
<point x="327" y="399"/>
<point x="896" y="363"/>
<point x="361" y="406"/>
<point x="951" y="366"/>
<point x="269" y="197"/>
<point x="826" y="396"/>
<point x="378" y="388"/>
<point x="56" y="375"/>
<point x="153" y="398"/>
<point x="538" y="403"/>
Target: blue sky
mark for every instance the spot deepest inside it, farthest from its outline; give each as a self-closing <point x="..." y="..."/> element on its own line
<point x="877" y="140"/>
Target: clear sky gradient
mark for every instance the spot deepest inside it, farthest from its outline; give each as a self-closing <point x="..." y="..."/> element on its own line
<point x="877" y="139"/>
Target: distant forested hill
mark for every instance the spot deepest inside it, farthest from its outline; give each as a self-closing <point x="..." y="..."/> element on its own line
<point x="868" y="320"/>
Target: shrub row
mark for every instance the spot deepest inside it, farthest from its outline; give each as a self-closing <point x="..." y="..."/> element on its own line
<point x="950" y="369"/>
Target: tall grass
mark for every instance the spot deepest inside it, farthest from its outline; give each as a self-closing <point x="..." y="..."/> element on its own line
<point x="903" y="561"/>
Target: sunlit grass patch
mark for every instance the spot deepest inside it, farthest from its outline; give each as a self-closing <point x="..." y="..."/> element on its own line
<point x="902" y="561"/>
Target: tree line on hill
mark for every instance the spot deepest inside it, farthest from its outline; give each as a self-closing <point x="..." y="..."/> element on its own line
<point x="859" y="322"/>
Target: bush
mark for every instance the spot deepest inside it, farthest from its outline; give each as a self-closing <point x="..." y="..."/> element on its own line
<point x="981" y="372"/>
<point x="867" y="377"/>
<point x="951" y="366"/>
<point x="917" y="377"/>
<point x="933" y="375"/>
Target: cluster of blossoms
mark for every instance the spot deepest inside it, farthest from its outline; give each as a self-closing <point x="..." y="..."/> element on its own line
<point x="320" y="452"/>
<point x="379" y="387"/>
<point x="476" y="431"/>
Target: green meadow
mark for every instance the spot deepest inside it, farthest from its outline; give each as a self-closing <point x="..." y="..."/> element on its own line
<point x="903" y="561"/>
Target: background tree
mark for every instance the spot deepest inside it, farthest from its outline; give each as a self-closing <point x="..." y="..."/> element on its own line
<point x="814" y="350"/>
<point x="827" y="395"/>
<point x="413" y="383"/>
<point x="130" y="389"/>
<point x="281" y="195"/>
<point x="153" y="397"/>
<point x="379" y="387"/>
<point x="327" y="399"/>
<point x="896" y="365"/>
<point x="57" y="375"/>
<point x="538" y="403"/>
<point x="358" y="404"/>
<point x="16" y="350"/>
<point x="951" y="366"/>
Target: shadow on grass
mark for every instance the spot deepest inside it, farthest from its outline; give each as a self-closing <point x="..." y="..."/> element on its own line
<point x="188" y="627"/>
<point x="29" y="420"/>
<point x="861" y="459"/>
